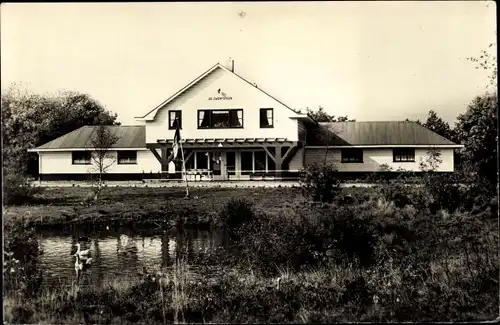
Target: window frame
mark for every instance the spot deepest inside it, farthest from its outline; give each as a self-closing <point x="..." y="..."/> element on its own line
<point x="399" y="153"/>
<point x="176" y="111"/>
<point x="272" y="119"/>
<point x="229" y="110"/>
<point x="125" y="163"/>
<point x="82" y="152"/>
<point x="351" y="159"/>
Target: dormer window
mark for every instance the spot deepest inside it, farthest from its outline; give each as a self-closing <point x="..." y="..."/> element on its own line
<point x="266" y="118"/>
<point x="172" y="115"/>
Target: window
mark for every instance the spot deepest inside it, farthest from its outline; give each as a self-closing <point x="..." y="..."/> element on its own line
<point x="260" y="161"/>
<point x="403" y="155"/>
<point x="172" y="115"/>
<point x="266" y="118"/>
<point x="201" y="160"/>
<point x="352" y="155"/>
<point x="220" y="119"/>
<point x="127" y="157"/>
<point x="246" y="162"/>
<point x="81" y="157"/>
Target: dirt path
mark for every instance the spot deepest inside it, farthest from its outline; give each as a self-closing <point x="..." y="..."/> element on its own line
<point x="191" y="184"/>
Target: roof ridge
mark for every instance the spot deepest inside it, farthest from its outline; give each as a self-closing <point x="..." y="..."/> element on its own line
<point x="204" y="74"/>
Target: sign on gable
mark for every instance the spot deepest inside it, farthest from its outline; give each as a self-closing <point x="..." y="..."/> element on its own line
<point x="222" y="96"/>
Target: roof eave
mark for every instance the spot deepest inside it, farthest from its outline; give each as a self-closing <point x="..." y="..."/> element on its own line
<point x="374" y="146"/>
<point x="178" y="93"/>
<point x="80" y="149"/>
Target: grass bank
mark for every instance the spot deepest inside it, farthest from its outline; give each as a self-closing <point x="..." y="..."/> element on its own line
<point x="153" y="207"/>
<point x="322" y="295"/>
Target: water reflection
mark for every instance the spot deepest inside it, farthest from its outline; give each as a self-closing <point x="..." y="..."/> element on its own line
<point x="122" y="254"/>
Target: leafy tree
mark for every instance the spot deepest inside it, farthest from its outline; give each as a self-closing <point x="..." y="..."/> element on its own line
<point x="321" y="116"/>
<point x="439" y="126"/>
<point x="487" y="61"/>
<point x="476" y="129"/>
<point x="30" y="120"/>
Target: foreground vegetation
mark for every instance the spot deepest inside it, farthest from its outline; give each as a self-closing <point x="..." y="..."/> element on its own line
<point x="316" y="253"/>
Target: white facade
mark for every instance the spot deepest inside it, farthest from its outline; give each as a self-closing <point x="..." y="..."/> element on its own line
<point x="61" y="162"/>
<point x="240" y="94"/>
<point x="373" y="158"/>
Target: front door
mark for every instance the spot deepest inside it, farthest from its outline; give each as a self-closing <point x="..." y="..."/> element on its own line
<point x="217" y="165"/>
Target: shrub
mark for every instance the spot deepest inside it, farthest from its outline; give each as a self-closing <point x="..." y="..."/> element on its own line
<point x="21" y="252"/>
<point x="396" y="191"/>
<point x="319" y="182"/>
<point x="311" y="235"/>
<point x="235" y="213"/>
<point x="16" y="187"/>
<point x="444" y="190"/>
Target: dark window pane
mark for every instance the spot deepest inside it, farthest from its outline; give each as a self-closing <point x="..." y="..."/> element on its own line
<point x="231" y="162"/>
<point x="204" y="119"/>
<point x="266" y="117"/>
<point x="220" y="119"/>
<point x="81" y="157"/>
<point x="352" y="155"/>
<point x="246" y="162"/>
<point x="127" y="157"/>
<point x="201" y="160"/>
<point x="190" y="162"/>
<point x="172" y="115"/>
<point x="178" y="115"/>
<point x="236" y="118"/>
<point x="260" y="161"/>
<point x="404" y="154"/>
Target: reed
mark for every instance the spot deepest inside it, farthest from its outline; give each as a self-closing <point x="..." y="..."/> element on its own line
<point x="179" y="279"/>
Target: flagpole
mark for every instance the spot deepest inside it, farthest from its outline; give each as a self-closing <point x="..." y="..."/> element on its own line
<point x="184" y="167"/>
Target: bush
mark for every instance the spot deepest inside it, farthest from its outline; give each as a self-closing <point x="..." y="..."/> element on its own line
<point x="17" y="189"/>
<point x="444" y="190"/>
<point x="319" y="182"/>
<point x="311" y="235"/>
<point x="21" y="252"/>
<point x="235" y="213"/>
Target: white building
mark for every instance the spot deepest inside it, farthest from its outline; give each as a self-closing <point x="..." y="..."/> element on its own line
<point x="231" y="129"/>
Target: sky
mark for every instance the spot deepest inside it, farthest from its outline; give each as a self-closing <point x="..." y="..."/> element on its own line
<point x="372" y="61"/>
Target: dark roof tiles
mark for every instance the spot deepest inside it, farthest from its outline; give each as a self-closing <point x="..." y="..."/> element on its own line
<point x="133" y="136"/>
<point x="374" y="133"/>
<point x="331" y="133"/>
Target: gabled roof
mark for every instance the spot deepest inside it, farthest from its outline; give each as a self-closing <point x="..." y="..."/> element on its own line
<point x="133" y="136"/>
<point x="396" y="133"/>
<point x="203" y="75"/>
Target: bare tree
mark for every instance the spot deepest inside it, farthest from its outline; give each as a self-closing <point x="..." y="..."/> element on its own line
<point x="100" y="152"/>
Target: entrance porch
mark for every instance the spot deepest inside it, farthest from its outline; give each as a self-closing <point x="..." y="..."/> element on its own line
<point x="229" y="159"/>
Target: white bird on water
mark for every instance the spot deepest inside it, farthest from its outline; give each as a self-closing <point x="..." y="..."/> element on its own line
<point x="81" y="264"/>
<point x="80" y="253"/>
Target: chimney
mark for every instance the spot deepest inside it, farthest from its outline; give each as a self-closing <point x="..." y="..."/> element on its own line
<point x="232" y="65"/>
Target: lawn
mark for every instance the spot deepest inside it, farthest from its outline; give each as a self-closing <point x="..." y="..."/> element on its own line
<point x="56" y="207"/>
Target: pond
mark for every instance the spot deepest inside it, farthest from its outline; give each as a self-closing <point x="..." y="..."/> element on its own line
<point x="121" y="254"/>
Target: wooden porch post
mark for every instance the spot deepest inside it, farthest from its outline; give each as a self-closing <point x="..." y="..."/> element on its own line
<point x="278" y="160"/>
<point x="164" y="160"/>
